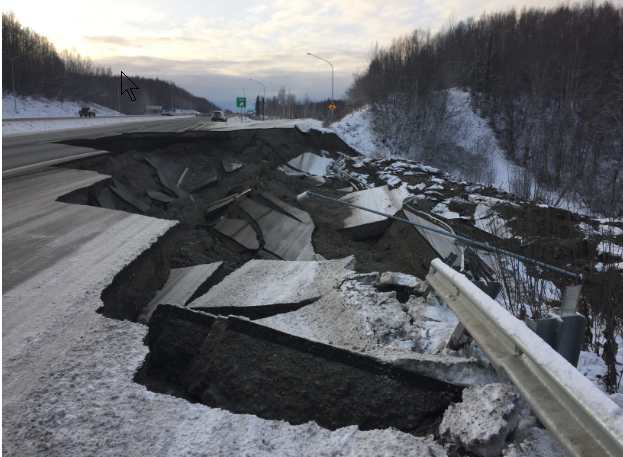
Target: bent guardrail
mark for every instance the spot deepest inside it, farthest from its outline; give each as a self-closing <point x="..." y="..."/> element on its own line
<point x="585" y="420"/>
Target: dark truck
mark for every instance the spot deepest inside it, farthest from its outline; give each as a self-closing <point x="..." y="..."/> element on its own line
<point x="85" y="111"/>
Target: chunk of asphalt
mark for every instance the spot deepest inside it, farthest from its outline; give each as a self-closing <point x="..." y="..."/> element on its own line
<point x="292" y="211"/>
<point x="357" y="317"/>
<point x="364" y="224"/>
<point x="284" y="236"/>
<point x="126" y="194"/>
<point x="167" y="175"/>
<point x="481" y="423"/>
<point x="230" y="165"/>
<point x="311" y="163"/>
<point x="444" y="246"/>
<point x="159" y="196"/>
<point x="259" y="285"/>
<point x="180" y="287"/>
<point x="240" y="231"/>
<point x="246" y="368"/>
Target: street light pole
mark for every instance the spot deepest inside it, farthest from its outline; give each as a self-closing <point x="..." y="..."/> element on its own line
<point x="264" y="101"/>
<point x="332" y="70"/>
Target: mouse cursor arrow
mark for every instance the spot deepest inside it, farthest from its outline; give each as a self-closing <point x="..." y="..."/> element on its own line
<point x="127" y="85"/>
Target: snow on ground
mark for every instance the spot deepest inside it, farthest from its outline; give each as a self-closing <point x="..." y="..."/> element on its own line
<point x="235" y="123"/>
<point x="474" y="135"/>
<point x="17" y="127"/>
<point x="355" y="129"/>
<point x="44" y="107"/>
<point x="608" y="247"/>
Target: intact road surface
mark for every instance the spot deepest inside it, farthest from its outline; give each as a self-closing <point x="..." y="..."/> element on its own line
<point x="22" y="150"/>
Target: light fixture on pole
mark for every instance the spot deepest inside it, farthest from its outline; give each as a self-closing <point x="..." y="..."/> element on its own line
<point x="332" y="70"/>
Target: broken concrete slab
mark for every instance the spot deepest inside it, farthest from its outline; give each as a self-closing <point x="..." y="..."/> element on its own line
<point x="444" y="246"/>
<point x="230" y="165"/>
<point x="357" y="317"/>
<point x="311" y="164"/>
<point x="263" y="285"/>
<point x="180" y="287"/>
<point x="292" y="211"/>
<point x="240" y="231"/>
<point x="159" y="196"/>
<point x="128" y="196"/>
<point x="167" y="175"/>
<point x="283" y="235"/>
<point x="238" y="365"/>
<point x="481" y="423"/>
<point x="364" y="224"/>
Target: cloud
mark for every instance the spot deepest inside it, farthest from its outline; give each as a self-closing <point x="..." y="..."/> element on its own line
<point x="202" y="78"/>
<point x="234" y="39"/>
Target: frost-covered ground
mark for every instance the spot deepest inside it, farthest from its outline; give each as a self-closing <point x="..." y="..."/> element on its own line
<point x="44" y="107"/>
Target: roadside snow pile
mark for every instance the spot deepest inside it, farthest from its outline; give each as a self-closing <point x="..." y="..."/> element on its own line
<point x="44" y="107"/>
<point x="355" y="129"/>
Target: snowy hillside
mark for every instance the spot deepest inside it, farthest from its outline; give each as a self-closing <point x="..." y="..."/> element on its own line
<point x="44" y="107"/>
<point x="473" y="133"/>
<point x="467" y="130"/>
<point x="482" y="159"/>
<point x="355" y="129"/>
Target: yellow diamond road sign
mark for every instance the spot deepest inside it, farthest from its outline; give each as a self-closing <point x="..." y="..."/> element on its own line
<point x="332" y="106"/>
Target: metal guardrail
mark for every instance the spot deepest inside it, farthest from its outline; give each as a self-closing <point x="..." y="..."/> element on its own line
<point x="584" y="419"/>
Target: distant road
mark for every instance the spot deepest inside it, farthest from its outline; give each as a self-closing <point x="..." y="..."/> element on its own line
<point x="54" y="118"/>
<point x="28" y="149"/>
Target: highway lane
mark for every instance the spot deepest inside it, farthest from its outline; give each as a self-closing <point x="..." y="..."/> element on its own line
<point x="27" y="149"/>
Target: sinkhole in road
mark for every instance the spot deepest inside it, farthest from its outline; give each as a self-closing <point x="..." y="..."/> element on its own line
<point x="231" y="362"/>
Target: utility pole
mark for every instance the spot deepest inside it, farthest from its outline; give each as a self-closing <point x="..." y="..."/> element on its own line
<point x="264" y="100"/>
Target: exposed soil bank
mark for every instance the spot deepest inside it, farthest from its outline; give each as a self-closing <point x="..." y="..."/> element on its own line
<point x="244" y="367"/>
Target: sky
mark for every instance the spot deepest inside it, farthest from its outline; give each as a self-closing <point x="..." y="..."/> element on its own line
<point x="214" y="48"/>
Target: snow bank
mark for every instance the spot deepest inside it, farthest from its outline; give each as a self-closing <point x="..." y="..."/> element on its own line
<point x="44" y="107"/>
<point x="355" y="129"/>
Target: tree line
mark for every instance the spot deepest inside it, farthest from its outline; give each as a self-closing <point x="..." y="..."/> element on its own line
<point x="286" y="105"/>
<point x="549" y="81"/>
<point x="33" y="66"/>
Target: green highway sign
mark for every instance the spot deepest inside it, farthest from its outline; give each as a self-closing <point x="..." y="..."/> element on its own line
<point x="241" y="102"/>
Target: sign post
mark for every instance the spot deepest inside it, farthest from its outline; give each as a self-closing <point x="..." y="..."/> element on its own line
<point x="241" y="103"/>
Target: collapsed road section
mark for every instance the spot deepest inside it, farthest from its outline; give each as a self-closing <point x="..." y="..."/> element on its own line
<point x="246" y="315"/>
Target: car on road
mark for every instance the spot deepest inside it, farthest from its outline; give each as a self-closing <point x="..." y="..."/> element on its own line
<point x="86" y="111"/>
<point x="218" y="116"/>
